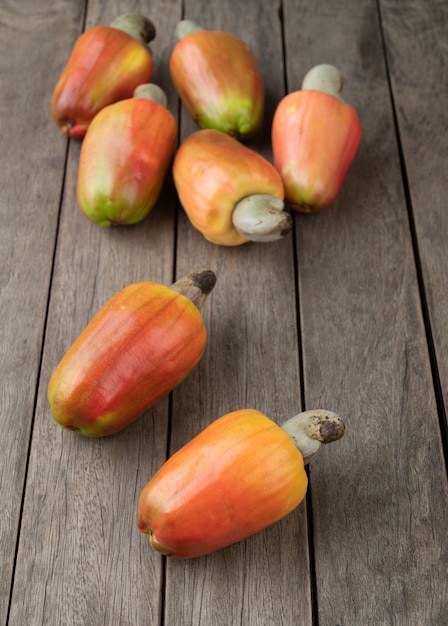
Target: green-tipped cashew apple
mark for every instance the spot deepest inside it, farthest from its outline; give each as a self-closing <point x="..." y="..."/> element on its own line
<point x="315" y="137"/>
<point x="238" y="476"/>
<point x="218" y="79"/>
<point x="139" y="346"/>
<point x="125" y="157"/>
<point x="230" y="193"/>
<point x="106" y="64"/>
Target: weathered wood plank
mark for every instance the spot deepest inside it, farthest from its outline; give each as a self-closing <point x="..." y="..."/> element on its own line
<point x="31" y="173"/>
<point x="251" y="361"/>
<point x="379" y="512"/>
<point x="379" y="497"/>
<point x="416" y="36"/>
<point x="81" y="558"/>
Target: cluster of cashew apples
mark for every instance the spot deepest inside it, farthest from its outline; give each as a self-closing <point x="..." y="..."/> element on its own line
<point x="148" y="337"/>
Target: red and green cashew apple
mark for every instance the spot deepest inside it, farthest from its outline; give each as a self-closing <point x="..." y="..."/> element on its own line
<point x="139" y="346"/>
<point x="106" y="64"/>
<point x="218" y="79"/>
<point x="125" y="157"/>
<point x="241" y="474"/>
<point x="315" y="137"/>
<point x="230" y="193"/>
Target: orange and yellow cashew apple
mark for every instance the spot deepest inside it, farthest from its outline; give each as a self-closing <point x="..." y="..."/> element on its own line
<point x="240" y="475"/>
<point x="230" y="193"/>
<point x="315" y="137"/>
<point x="139" y="346"/>
<point x="106" y="64"/>
<point x="218" y="79"/>
<point x="125" y="157"/>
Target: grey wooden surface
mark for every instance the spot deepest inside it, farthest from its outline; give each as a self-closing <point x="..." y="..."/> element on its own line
<point x="347" y="313"/>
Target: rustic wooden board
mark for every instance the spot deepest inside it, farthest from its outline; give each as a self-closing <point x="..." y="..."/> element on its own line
<point x="379" y="515"/>
<point x="31" y="175"/>
<point x="252" y="361"/>
<point x="81" y="558"/>
<point x="416" y="39"/>
<point x="340" y="297"/>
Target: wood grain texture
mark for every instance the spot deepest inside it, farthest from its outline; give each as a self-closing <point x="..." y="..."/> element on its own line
<point x="251" y="361"/>
<point x="81" y="558"/>
<point x="339" y="297"/>
<point x="380" y="553"/>
<point x="416" y="38"/>
<point x="31" y="175"/>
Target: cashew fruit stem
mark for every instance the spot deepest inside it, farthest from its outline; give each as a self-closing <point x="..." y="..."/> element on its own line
<point x="196" y="286"/>
<point x="150" y="91"/>
<point x="311" y="429"/>
<point x="325" y="78"/>
<point x="186" y="27"/>
<point x="138" y="26"/>
<point x="260" y="217"/>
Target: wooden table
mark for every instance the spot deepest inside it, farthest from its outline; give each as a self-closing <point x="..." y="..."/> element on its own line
<point x="348" y="313"/>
